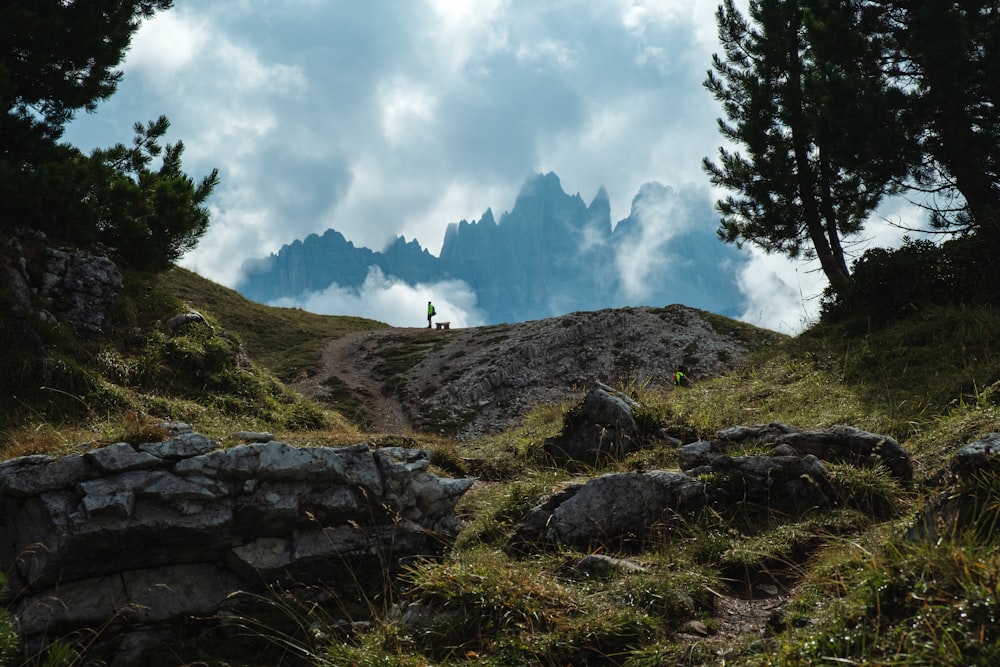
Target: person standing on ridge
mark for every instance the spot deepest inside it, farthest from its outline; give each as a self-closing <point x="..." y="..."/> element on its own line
<point x="430" y="313"/>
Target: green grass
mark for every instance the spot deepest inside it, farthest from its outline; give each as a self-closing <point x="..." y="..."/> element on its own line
<point x="286" y="341"/>
<point x="865" y="590"/>
<point x="224" y="376"/>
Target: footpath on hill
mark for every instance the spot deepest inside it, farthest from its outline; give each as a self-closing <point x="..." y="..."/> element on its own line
<point x="348" y="359"/>
<point x="485" y="379"/>
<point x="469" y="382"/>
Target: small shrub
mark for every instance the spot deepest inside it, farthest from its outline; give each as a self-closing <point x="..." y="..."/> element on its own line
<point x="870" y="490"/>
<point x="482" y="598"/>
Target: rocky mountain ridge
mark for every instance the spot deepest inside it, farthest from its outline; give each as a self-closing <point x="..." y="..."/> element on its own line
<point x="549" y="255"/>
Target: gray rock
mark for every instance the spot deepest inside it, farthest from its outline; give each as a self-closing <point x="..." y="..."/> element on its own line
<point x="602" y="427"/>
<point x="87" y="286"/>
<point x="980" y="456"/>
<point x="183" y="444"/>
<point x="74" y="604"/>
<point x="756" y="433"/>
<point x="125" y="536"/>
<point x="253" y="436"/>
<point x="119" y="457"/>
<point x="171" y="325"/>
<point x="620" y="507"/>
<point x="698" y="454"/>
<point x="778" y="481"/>
<point x="34" y="475"/>
<point x="852" y="445"/>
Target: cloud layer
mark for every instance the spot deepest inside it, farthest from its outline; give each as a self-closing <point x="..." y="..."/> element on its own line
<point x="389" y="118"/>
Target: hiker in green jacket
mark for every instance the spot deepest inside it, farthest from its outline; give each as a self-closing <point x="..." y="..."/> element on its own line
<point x="680" y="377"/>
<point x="430" y="313"/>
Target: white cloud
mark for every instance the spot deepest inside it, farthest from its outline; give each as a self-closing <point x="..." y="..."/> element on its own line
<point x="406" y="106"/>
<point x="168" y="44"/>
<point x="388" y="118"/>
<point x="547" y="51"/>
<point x="458" y="33"/>
<point x="662" y="216"/>
<point x="393" y="302"/>
<point x="782" y="296"/>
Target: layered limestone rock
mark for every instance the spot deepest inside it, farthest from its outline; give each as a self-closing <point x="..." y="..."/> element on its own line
<point x="126" y="535"/>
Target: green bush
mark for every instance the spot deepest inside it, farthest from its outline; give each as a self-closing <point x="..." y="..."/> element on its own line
<point x="888" y="284"/>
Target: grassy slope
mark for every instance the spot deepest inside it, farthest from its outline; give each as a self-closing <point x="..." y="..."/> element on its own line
<point x="287" y="341"/>
<point x="864" y="593"/>
<point x="930" y="381"/>
<point x="97" y="390"/>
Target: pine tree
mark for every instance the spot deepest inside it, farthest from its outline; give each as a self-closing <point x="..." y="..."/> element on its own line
<point x="949" y="52"/>
<point x="57" y="58"/>
<point x="803" y="95"/>
<point x="150" y="217"/>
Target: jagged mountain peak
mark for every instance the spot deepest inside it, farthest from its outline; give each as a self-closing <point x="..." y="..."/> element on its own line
<point x="549" y="255"/>
<point x="601" y="199"/>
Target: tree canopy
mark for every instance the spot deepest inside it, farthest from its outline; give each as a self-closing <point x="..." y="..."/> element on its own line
<point x="834" y="104"/>
<point x="950" y="53"/>
<point x="57" y="58"/>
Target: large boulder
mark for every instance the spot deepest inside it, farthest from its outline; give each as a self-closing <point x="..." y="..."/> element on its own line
<point x="618" y="508"/>
<point x="603" y="426"/>
<point x="125" y="535"/>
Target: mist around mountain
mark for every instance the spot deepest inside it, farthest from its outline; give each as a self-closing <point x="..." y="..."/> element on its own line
<point x="551" y="254"/>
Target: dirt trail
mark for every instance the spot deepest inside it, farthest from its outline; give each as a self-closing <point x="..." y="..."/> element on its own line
<point x="349" y="359"/>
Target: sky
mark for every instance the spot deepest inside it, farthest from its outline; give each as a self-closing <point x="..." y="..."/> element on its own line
<point x="397" y="117"/>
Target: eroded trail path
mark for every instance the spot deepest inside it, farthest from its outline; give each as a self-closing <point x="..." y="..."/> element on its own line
<point x="349" y="361"/>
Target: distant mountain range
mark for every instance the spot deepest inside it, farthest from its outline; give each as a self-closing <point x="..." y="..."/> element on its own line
<point x="550" y="255"/>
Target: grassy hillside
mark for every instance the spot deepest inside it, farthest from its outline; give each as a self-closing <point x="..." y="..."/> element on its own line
<point x="225" y="376"/>
<point x="852" y="586"/>
<point x="286" y="341"/>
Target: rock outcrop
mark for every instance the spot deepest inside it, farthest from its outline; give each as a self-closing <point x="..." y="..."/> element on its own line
<point x="86" y="286"/>
<point x="616" y="509"/>
<point x="470" y="382"/>
<point x="602" y="427"/>
<point x="126" y="536"/>
<point x="71" y="286"/>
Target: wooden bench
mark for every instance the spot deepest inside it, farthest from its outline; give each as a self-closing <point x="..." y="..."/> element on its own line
<point x="443" y="325"/>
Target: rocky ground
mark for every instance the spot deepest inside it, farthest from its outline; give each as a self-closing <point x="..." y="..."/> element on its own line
<point x="468" y="382"/>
